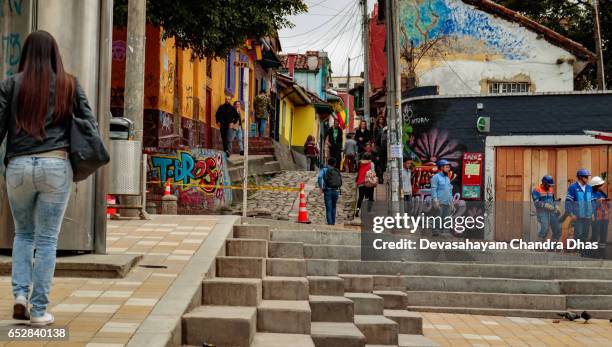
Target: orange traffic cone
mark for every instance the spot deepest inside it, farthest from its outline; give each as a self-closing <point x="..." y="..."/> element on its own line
<point x="168" y="188"/>
<point x="110" y="211"/>
<point x="303" y="212"/>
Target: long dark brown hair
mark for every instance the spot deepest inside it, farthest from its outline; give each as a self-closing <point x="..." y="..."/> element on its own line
<point x="40" y="59"/>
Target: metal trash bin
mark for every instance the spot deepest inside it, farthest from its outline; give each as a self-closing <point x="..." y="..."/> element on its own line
<point x="126" y="159"/>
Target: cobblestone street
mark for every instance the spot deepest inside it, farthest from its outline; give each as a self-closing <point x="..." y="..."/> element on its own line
<point x="279" y="204"/>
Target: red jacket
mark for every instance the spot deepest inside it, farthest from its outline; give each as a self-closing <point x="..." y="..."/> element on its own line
<point x="364" y="167"/>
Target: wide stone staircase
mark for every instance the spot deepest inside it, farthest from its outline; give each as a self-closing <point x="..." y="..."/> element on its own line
<point x="270" y="291"/>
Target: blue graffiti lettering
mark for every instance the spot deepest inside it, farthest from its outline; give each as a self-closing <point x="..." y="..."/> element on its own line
<point x="162" y="164"/>
<point x="15" y="7"/>
<point x="184" y="168"/>
<point x="11" y="45"/>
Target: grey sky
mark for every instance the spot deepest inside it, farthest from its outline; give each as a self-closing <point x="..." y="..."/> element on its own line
<point x="330" y="25"/>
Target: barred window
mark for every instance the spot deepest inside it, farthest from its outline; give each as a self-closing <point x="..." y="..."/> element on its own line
<point x="508" y="87"/>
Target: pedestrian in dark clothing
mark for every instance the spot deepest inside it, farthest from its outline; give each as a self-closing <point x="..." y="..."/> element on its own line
<point x="362" y="136"/>
<point x="381" y="150"/>
<point x="226" y="115"/>
<point x="311" y="150"/>
<point x="601" y="217"/>
<point x="334" y="136"/>
<point x="330" y="181"/>
<point x="350" y="153"/>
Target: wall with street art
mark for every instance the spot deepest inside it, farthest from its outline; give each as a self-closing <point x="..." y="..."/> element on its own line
<point x="445" y="128"/>
<point x="197" y="177"/>
<point x="463" y="49"/>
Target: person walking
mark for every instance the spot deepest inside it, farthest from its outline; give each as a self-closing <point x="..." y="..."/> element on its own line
<point x="407" y="184"/>
<point x="330" y="181"/>
<point x="262" y="107"/>
<point x="547" y="210"/>
<point x="350" y="153"/>
<point x="226" y="114"/>
<point x="235" y="129"/>
<point x="36" y="109"/>
<point x="442" y="192"/>
<point x="334" y="137"/>
<point x="601" y="218"/>
<point x="311" y="150"/>
<point x="579" y="204"/>
<point x="381" y="149"/>
<point x="366" y="181"/>
<point x="362" y="136"/>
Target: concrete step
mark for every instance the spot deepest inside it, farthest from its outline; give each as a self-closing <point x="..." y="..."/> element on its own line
<point x="331" y="308"/>
<point x="480" y="284"/>
<point x="417" y="340"/>
<point x="421" y="268"/>
<point x="286" y="267"/>
<point x="247" y="248"/>
<point x="340" y="252"/>
<point x="387" y="282"/>
<point x="358" y="283"/>
<point x="241" y="267"/>
<point x="393" y="299"/>
<point x="326" y="285"/>
<point x="327" y="334"/>
<point x="284" y="316"/>
<point x="366" y="303"/>
<point x="322" y="237"/>
<point x="377" y="329"/>
<point x="282" y="340"/>
<point x="322" y="267"/>
<point x="285" y="288"/>
<point x="252" y="231"/>
<point x="488" y="300"/>
<point x="409" y="322"/>
<point x="549" y="314"/>
<point x="219" y="326"/>
<point x="589" y="302"/>
<point x="600" y="287"/>
<point x="227" y="291"/>
<point x="278" y="249"/>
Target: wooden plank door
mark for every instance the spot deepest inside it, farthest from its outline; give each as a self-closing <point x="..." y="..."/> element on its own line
<point x="509" y="192"/>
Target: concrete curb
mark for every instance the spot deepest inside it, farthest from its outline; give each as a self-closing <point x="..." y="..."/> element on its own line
<point x="162" y="328"/>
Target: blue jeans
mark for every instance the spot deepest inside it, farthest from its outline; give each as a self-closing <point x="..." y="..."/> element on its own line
<point x="547" y="219"/>
<point x="235" y="134"/>
<point x="331" y="199"/>
<point x="261" y="126"/>
<point x="38" y="191"/>
<point x="581" y="228"/>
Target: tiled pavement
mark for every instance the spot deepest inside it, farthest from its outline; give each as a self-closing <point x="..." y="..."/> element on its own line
<point x="107" y="312"/>
<point x="475" y="330"/>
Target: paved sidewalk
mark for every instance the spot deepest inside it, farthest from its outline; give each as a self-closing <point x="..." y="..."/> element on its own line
<point x="475" y="330"/>
<point x="107" y="312"/>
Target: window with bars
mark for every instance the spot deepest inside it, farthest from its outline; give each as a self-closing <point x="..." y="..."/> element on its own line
<point x="508" y="87"/>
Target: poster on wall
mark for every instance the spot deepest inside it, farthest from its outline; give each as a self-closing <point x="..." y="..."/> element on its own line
<point x="471" y="179"/>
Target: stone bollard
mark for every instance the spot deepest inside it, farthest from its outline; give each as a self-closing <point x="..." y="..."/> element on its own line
<point x="151" y="207"/>
<point x="169" y="204"/>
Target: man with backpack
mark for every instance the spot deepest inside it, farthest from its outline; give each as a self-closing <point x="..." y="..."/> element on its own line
<point x="330" y="181"/>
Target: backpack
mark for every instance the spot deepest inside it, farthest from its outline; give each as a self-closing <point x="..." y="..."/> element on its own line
<point x="371" y="180"/>
<point x="332" y="178"/>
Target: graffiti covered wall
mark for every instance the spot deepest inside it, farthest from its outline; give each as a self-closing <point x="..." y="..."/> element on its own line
<point x="198" y="178"/>
<point x="461" y="48"/>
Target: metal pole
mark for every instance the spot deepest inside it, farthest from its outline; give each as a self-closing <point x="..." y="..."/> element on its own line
<point x="104" y="83"/>
<point x="134" y="80"/>
<point x="601" y="74"/>
<point x="245" y="138"/>
<point x="393" y="105"/>
<point x="348" y="99"/>
<point x="366" y="64"/>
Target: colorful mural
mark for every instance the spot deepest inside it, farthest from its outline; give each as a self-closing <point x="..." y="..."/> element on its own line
<point x="450" y="21"/>
<point x="191" y="173"/>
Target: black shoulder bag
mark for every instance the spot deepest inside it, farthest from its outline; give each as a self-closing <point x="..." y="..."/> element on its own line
<point x="87" y="151"/>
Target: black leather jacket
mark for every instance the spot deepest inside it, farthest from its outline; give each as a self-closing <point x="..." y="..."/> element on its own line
<point x="58" y="134"/>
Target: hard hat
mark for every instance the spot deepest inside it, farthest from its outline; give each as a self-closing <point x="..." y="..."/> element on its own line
<point x="548" y="180"/>
<point x="596" y="181"/>
<point x="583" y="173"/>
<point x="442" y="162"/>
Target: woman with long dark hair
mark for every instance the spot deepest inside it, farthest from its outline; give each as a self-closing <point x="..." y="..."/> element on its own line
<point x="36" y="108"/>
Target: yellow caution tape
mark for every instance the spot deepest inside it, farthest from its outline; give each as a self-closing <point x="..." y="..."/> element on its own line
<point x="199" y="185"/>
